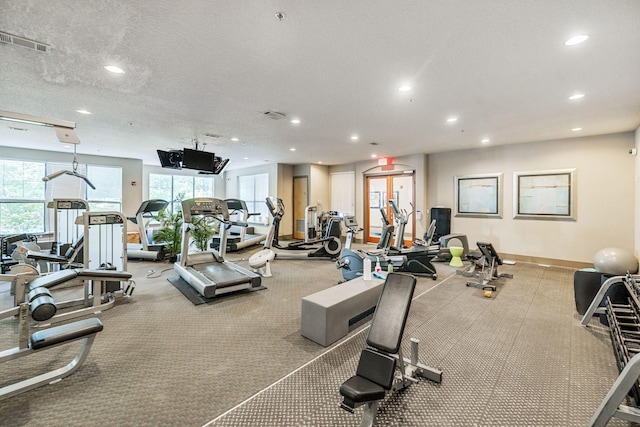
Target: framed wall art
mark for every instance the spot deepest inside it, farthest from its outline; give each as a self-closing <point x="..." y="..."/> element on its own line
<point x="478" y="195"/>
<point x="547" y="194"/>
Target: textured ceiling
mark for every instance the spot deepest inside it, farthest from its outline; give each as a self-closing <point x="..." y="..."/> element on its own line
<point x="195" y="67"/>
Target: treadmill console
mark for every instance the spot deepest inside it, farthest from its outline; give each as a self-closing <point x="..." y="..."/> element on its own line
<point x="204" y="206"/>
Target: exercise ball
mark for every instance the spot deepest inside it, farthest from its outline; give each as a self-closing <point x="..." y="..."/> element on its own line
<point x="615" y="261"/>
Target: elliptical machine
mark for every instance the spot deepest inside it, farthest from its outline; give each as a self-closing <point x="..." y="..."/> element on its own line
<point x="330" y="244"/>
<point x="418" y="257"/>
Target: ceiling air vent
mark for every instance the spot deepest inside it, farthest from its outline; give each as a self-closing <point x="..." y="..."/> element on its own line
<point x="275" y="115"/>
<point x="21" y="41"/>
<point x="212" y="135"/>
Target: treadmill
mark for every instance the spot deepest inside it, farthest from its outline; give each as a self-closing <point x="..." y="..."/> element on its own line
<point x="239" y="237"/>
<point x="148" y="209"/>
<point x="208" y="272"/>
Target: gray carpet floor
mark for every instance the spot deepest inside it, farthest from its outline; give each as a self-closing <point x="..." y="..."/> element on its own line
<point x="517" y="359"/>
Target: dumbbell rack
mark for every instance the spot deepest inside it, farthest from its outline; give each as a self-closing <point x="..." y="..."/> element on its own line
<point x="624" y="327"/>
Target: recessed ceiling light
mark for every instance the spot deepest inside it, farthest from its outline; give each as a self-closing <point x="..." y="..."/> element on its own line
<point x="577" y="96"/>
<point x="576" y="39"/>
<point x="292" y="149"/>
<point x="234" y="139"/>
<point x="452" y="119"/>
<point x="404" y="88"/>
<point x="354" y="137"/>
<point x="83" y="111"/>
<point x="485" y="140"/>
<point x="114" y="69"/>
<point x="245" y="158"/>
<point x="295" y="121"/>
<point x="66" y="146"/>
<point x="320" y="162"/>
<point x="374" y="156"/>
<point x="576" y="129"/>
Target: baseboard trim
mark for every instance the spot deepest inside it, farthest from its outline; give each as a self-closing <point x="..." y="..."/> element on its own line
<point x="547" y="261"/>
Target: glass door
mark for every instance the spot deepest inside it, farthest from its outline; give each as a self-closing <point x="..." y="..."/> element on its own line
<point x="375" y="195"/>
<point x="379" y="189"/>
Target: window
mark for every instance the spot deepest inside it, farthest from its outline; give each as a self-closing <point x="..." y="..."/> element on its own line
<point x="22" y="197"/>
<point x="174" y="188"/>
<point x="108" y="193"/>
<point x="23" y="194"/>
<point x="254" y="189"/>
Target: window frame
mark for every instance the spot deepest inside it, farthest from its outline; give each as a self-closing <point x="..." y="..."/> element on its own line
<point x="255" y="201"/>
<point x="46" y="225"/>
<point x="173" y="201"/>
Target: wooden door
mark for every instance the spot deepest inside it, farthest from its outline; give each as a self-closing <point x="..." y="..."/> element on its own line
<point x="300" y="202"/>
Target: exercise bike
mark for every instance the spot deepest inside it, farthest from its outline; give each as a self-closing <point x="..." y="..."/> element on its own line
<point x="352" y="261"/>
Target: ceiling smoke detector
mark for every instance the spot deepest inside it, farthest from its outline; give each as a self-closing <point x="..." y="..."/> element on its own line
<point x="24" y="42"/>
<point x="275" y="115"/>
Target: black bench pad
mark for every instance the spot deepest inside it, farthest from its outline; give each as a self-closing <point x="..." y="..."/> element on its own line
<point x="110" y="274"/>
<point x="50" y="280"/>
<point x="62" y="333"/>
<point x="358" y="389"/>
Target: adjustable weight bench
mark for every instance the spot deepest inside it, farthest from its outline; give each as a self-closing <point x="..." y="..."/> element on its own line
<point x="489" y="262"/>
<point x="376" y="372"/>
<point x="43" y="308"/>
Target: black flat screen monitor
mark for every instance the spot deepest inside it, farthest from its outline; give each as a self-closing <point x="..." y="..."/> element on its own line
<point x="220" y="163"/>
<point x="170" y="159"/>
<point x="198" y="160"/>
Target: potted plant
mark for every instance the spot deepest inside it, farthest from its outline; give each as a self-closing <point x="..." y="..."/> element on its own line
<point x="170" y="232"/>
<point x="203" y="231"/>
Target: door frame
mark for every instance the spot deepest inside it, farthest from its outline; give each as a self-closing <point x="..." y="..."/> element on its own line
<point x="389" y="175"/>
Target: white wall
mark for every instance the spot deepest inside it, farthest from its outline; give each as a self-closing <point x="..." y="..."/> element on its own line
<point x="636" y="187"/>
<point x="605" y="198"/>
<point x="131" y="170"/>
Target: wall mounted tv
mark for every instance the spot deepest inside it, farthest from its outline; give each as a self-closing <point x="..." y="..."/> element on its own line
<point x="198" y="160"/>
<point x="220" y="163"/>
<point x="170" y="159"/>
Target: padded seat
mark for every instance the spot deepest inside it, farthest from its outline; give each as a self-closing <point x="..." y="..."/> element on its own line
<point x="358" y="389"/>
<point x="373" y="378"/>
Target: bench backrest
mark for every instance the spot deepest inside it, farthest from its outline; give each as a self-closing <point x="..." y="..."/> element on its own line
<point x="489" y="252"/>
<point x="390" y="315"/>
<point x="377" y="367"/>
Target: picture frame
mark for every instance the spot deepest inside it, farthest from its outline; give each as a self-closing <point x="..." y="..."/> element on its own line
<point x="478" y="195"/>
<point x="374" y="200"/>
<point x="547" y="194"/>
